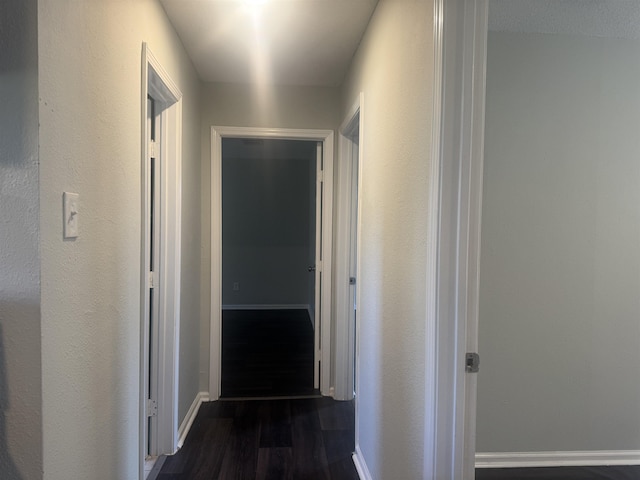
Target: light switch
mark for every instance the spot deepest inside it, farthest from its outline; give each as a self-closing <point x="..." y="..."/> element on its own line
<point x="70" y="207"/>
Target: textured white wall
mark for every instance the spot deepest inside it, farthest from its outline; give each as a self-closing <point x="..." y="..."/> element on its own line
<point x="249" y="106"/>
<point x="90" y="86"/>
<point x="560" y="268"/>
<point x="393" y="67"/>
<point x="20" y="367"/>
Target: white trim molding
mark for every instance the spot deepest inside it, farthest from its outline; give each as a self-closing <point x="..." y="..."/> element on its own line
<point x="361" y="465"/>
<point x="349" y="165"/>
<point x="159" y="85"/>
<point x="558" y="459"/>
<point x="453" y="236"/>
<point x="185" y="426"/>
<point x="327" y="139"/>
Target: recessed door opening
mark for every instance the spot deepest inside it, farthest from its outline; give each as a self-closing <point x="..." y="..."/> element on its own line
<point x="270" y="247"/>
<point x="153" y="221"/>
<point x="347" y="286"/>
<point x="347" y="234"/>
<point x="271" y="241"/>
<point x="558" y="283"/>
<point x="160" y="262"/>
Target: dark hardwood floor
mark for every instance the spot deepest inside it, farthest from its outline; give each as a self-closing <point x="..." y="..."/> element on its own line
<point x="289" y="439"/>
<point x="267" y="353"/>
<point x="560" y="473"/>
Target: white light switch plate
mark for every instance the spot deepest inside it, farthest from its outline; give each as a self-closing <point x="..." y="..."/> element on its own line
<point x="70" y="209"/>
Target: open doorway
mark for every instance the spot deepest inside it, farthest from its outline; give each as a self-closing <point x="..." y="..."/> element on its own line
<point x="568" y="194"/>
<point x="558" y="326"/>
<point x="347" y="234"/>
<point x="160" y="261"/>
<point x="269" y="246"/>
<point x="319" y="311"/>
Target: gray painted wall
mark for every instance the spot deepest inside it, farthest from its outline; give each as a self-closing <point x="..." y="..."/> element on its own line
<point x="560" y="267"/>
<point x="394" y="68"/>
<point x="20" y="361"/>
<point x="267" y="232"/>
<point x="90" y="143"/>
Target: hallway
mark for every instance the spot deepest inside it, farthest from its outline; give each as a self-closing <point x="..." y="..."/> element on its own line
<point x="73" y="324"/>
<point x="302" y="439"/>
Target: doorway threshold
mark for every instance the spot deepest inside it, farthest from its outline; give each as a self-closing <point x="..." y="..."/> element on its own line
<point x="315" y="394"/>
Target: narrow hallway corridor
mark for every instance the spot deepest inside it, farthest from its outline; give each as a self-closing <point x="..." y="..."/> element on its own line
<point x="297" y="439"/>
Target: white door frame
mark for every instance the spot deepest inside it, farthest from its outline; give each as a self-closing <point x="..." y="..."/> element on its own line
<point x="460" y="32"/>
<point x="157" y="84"/>
<point x="346" y="335"/>
<point x="324" y="322"/>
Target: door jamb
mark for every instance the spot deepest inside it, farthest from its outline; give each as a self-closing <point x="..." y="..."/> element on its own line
<point x="346" y="334"/>
<point x="460" y="32"/>
<point x="157" y="83"/>
<point x="215" y="339"/>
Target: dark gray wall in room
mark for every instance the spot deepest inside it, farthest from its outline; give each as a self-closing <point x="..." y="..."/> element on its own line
<point x="268" y="191"/>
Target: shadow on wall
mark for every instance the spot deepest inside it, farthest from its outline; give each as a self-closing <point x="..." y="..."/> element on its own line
<point x="20" y="421"/>
<point x="7" y="466"/>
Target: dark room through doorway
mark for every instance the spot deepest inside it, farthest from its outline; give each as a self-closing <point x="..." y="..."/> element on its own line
<point x="270" y="207"/>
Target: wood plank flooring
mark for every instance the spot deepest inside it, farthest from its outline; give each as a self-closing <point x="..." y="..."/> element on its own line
<point x="267" y="353"/>
<point x="560" y="473"/>
<point x="289" y="439"/>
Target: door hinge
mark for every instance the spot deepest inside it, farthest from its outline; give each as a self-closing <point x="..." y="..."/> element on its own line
<point x="321" y="176"/>
<point x="152" y="282"/>
<point x="472" y="362"/>
<point x="152" y="408"/>
<point x="152" y="149"/>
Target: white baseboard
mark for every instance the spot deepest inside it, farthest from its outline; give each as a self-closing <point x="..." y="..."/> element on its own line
<point x="557" y="459"/>
<point x="361" y="465"/>
<point x="265" y="307"/>
<point x="185" y="426"/>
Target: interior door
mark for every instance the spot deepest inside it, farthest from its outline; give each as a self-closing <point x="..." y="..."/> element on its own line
<point x="312" y="251"/>
<point x="153" y="252"/>
<point x="353" y="256"/>
<point x="317" y="327"/>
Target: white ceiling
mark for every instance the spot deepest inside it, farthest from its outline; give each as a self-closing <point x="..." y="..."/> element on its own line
<point x="286" y="42"/>
<point x="602" y="18"/>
